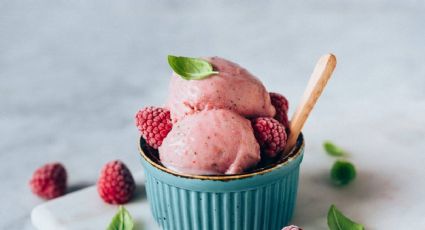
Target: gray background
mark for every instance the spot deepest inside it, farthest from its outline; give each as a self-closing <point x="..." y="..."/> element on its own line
<point x="73" y="74"/>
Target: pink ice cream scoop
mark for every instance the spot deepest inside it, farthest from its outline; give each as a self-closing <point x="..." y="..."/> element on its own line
<point x="210" y="142"/>
<point x="234" y="88"/>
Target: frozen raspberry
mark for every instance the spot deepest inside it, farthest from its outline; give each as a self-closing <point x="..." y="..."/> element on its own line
<point x="49" y="181"/>
<point x="154" y="125"/>
<point x="281" y="105"/>
<point x="270" y="134"/>
<point x="116" y="184"/>
<point x="292" y="227"/>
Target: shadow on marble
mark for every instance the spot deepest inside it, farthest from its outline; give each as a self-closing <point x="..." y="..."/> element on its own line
<point x="317" y="193"/>
<point x="140" y="193"/>
<point x="138" y="225"/>
<point x="78" y="186"/>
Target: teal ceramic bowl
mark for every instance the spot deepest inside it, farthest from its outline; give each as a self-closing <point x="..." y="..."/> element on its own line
<point x="261" y="199"/>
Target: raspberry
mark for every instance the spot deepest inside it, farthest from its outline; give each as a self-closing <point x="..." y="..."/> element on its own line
<point x="281" y="105"/>
<point x="49" y="181"/>
<point x="154" y="124"/>
<point x="270" y="134"/>
<point x="292" y="227"/>
<point x="116" y="184"/>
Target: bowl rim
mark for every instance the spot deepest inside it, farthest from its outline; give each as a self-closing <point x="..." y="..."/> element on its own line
<point x="294" y="153"/>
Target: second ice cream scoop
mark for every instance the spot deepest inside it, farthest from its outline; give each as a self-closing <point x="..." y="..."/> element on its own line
<point x="210" y="142"/>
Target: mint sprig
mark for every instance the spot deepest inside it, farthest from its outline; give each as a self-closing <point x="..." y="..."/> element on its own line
<point x="333" y="149"/>
<point x="337" y="221"/>
<point x="122" y="220"/>
<point x="343" y="172"/>
<point x="191" y="68"/>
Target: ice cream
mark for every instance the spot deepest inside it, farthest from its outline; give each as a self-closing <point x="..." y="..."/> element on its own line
<point x="216" y="141"/>
<point x="234" y="88"/>
<point x="219" y="119"/>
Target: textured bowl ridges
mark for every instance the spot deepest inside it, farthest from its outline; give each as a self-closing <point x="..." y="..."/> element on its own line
<point x="265" y="207"/>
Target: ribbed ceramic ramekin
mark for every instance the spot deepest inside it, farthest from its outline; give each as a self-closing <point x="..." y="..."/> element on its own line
<point x="259" y="200"/>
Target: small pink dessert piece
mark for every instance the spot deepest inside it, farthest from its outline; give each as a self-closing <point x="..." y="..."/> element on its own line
<point x="292" y="227"/>
<point x="210" y="142"/>
<point x="233" y="88"/>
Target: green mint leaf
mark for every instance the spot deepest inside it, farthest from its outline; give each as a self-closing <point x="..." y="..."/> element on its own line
<point x="333" y="150"/>
<point x="190" y="68"/>
<point x="343" y="172"/>
<point x="337" y="221"/>
<point x="121" y="221"/>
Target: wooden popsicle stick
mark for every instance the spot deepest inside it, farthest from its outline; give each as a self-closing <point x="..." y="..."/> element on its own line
<point x="320" y="76"/>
